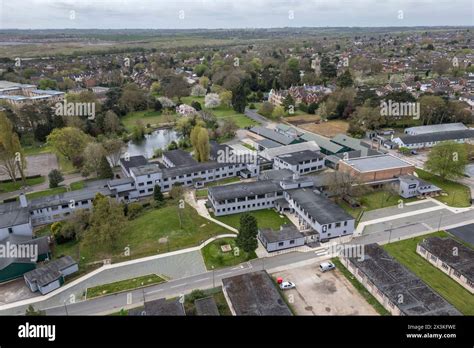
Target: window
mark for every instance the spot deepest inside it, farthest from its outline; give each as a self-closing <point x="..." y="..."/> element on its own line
<point x="445" y="266"/>
<point x="10" y="230"/>
<point x="456" y="274"/>
<point x="338" y="224"/>
<point x="292" y="241"/>
<point x="280" y="244"/>
<point x="345" y="223"/>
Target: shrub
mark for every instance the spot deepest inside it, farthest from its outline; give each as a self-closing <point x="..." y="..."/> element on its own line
<point x="133" y="210"/>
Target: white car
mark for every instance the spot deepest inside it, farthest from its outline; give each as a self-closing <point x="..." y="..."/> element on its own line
<point x="287" y="285"/>
<point x="326" y="266"/>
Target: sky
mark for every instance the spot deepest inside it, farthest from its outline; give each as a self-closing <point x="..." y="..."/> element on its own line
<point x="211" y="14"/>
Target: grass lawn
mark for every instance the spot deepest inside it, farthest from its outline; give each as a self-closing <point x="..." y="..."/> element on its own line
<point x="360" y="288"/>
<point x="13" y="186"/>
<point x="458" y="194"/>
<point x="374" y="200"/>
<point x="123" y="285"/>
<point x="266" y="218"/>
<point x="215" y="257"/>
<point x="37" y="149"/>
<point x="216" y="293"/>
<point x="201" y="193"/>
<point x="405" y="253"/>
<point x="147" y="117"/>
<point x="78" y="185"/>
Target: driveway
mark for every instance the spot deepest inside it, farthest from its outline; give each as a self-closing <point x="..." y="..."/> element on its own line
<point x="15" y="290"/>
<point x="328" y="293"/>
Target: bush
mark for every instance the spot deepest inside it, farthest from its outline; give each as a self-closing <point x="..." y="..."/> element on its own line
<point x="134" y="209"/>
<point x="55" y="177"/>
<point x="312" y="108"/>
<point x="252" y="106"/>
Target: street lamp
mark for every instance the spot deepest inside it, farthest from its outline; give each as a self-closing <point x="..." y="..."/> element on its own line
<point x="65" y="307"/>
<point x="390" y="233"/>
<point x="213" y="278"/>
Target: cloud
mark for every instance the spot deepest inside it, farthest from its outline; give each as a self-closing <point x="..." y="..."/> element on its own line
<point x="41" y="14"/>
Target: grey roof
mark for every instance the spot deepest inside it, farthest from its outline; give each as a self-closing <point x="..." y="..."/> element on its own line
<point x="465" y="233"/>
<point x="445" y="127"/>
<point x="133" y="161"/>
<point x="122" y="181"/>
<point x="287" y="232"/>
<point x="318" y="207"/>
<point x="347" y="141"/>
<point x="324" y="143"/>
<point x="393" y="279"/>
<point x="206" y="306"/>
<point x="11" y="214"/>
<point x="268" y="144"/>
<point x="281" y="150"/>
<point x="246" y="189"/>
<point x="216" y="148"/>
<point x="146" y="169"/>
<point x="272" y="135"/>
<point x="376" y="163"/>
<point x="276" y="174"/>
<point x="13" y="239"/>
<point x="255" y="294"/>
<point x="442" y="248"/>
<point x="162" y="307"/>
<point x="438" y="136"/>
<point x="198" y="167"/>
<point x="295" y="158"/>
<point x="179" y="157"/>
<point x="50" y="272"/>
<point x="66" y="197"/>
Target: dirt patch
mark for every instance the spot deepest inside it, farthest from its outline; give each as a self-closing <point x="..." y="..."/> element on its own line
<point x="303" y="119"/>
<point x="319" y="293"/>
<point x="327" y="129"/>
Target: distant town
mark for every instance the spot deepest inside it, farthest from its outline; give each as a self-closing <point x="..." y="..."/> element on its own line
<point x="264" y="172"/>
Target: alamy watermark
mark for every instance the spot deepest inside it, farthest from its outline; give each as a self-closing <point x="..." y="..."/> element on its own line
<point x="66" y="108"/>
<point x="348" y="251"/>
<point x="22" y="251"/>
<point x="400" y="109"/>
<point x="236" y="156"/>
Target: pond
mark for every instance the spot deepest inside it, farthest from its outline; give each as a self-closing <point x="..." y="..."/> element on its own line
<point x="158" y="139"/>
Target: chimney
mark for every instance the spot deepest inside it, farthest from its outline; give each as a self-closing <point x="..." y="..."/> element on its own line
<point x="23" y="200"/>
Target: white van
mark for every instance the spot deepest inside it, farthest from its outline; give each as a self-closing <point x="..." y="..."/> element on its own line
<point x="326" y="266"/>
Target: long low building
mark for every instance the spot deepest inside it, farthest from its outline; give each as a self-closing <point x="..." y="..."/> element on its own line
<point x="423" y="140"/>
<point x="395" y="287"/>
<point x="374" y="169"/>
<point x="451" y="257"/>
<point x="301" y="162"/>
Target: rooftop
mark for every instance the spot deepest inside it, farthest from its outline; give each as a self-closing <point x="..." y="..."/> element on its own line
<point x="295" y="158"/>
<point x="50" y="272"/>
<point x="394" y="280"/>
<point x="206" y="306"/>
<point x="286" y="232"/>
<point x="246" y="189"/>
<point x="445" y="127"/>
<point x="255" y="294"/>
<point x="133" y="161"/>
<point x="162" y="306"/>
<point x="376" y="163"/>
<point x="67" y="197"/>
<point x="179" y="157"/>
<point x="272" y="135"/>
<point x="318" y="207"/>
<point x="282" y="150"/>
<point x="438" y="136"/>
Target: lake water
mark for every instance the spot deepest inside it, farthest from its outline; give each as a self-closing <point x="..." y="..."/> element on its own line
<point x="159" y="139"/>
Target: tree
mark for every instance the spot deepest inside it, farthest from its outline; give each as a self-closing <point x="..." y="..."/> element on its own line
<point x="212" y="100"/>
<point x="204" y="81"/>
<point x="176" y="192"/>
<point x="107" y="223"/>
<point x="248" y="230"/>
<point x="447" y="159"/>
<point x="158" y="195"/>
<point x="266" y="109"/>
<point x="68" y="141"/>
<point x="278" y="112"/>
<point x="12" y="158"/>
<point x="47" y="84"/>
<point x="92" y="155"/>
<point x="111" y="122"/>
<point x="114" y="149"/>
<point x="157" y="106"/>
<point x="198" y="91"/>
<point x="226" y="98"/>
<point x="138" y="131"/>
<point x="200" y="142"/>
<point x="174" y="86"/>
<point x="289" y="103"/>
<point x="345" y="80"/>
<point x="196" y="105"/>
<point x="227" y="128"/>
<point x="104" y="170"/>
<point x="239" y="99"/>
<point x="55" y="177"/>
<point x="328" y="70"/>
<point x="312" y="108"/>
<point x="133" y="98"/>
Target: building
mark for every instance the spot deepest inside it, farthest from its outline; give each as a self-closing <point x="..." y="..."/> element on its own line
<point x="274" y="136"/>
<point x="51" y="276"/>
<point x="395" y="287"/>
<point x="162" y="307"/>
<point x="254" y="294"/>
<point x="451" y="257"/>
<point x="177" y="158"/>
<point x="435" y="128"/>
<point x="271" y="153"/>
<point x="423" y="140"/>
<point x="19" y="94"/>
<point x="327" y="146"/>
<point x="206" y="306"/>
<point x="376" y="169"/>
<point x="286" y="237"/>
<point x="411" y="186"/>
<point x="301" y="162"/>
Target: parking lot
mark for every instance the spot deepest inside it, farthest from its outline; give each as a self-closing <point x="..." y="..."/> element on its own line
<point x="318" y="293"/>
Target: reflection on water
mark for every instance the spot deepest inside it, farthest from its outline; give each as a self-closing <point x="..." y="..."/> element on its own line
<point x="159" y="139"/>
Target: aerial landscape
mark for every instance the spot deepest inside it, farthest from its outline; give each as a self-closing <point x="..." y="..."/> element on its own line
<point x="212" y="158"/>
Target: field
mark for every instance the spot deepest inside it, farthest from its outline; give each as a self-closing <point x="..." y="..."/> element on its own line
<point x="328" y="129"/>
<point x="405" y="252"/>
<point x="123" y="285"/>
<point x="215" y="258"/>
<point x="303" y="119"/>
<point x="458" y="194"/>
<point x="14" y="186"/>
<point x="267" y="218"/>
<point x="153" y="118"/>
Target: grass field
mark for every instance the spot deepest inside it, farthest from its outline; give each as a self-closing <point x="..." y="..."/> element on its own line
<point x="123" y="285"/>
<point x="215" y="257"/>
<point x="14" y="186"/>
<point x="267" y="218"/>
<point x="360" y="288"/>
<point x="405" y="253"/>
<point x="458" y="195"/>
<point x="327" y="129"/>
<point x="154" y="118"/>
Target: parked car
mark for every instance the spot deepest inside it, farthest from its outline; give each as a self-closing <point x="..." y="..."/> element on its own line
<point x="287" y="285"/>
<point x="326" y="266"/>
